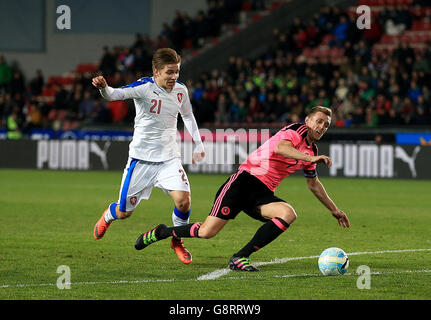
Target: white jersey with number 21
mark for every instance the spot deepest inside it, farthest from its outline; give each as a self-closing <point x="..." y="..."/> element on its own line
<point x="154" y="137"/>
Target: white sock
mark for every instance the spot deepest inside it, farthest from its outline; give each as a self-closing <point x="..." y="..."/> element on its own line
<point x="177" y="221"/>
<point x="109" y="216"/>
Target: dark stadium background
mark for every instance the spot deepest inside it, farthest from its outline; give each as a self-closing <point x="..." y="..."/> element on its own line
<point x="247" y="64"/>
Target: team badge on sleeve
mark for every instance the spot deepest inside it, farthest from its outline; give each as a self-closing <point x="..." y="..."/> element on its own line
<point x="133" y="200"/>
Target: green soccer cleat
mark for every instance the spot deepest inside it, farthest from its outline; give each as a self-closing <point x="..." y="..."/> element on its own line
<point x="241" y="264"/>
<point x="147" y="238"/>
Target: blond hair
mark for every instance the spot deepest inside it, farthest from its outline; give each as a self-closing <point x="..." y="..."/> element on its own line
<point x="165" y="56"/>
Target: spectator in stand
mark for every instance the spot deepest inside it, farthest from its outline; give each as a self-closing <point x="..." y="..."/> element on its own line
<point x="414" y="92"/>
<point x="419" y="117"/>
<point x="5" y="74"/>
<point x="407" y="110"/>
<point x="383" y="106"/>
<point x="14" y="124"/>
<point x="86" y="107"/>
<point x="108" y="64"/>
<point x="221" y="114"/>
<point x="101" y="114"/>
<point x="17" y="83"/>
<point x="198" y="91"/>
<point x="34" y="115"/>
<point x="342" y="90"/>
<point x="340" y="31"/>
<point x="37" y="83"/>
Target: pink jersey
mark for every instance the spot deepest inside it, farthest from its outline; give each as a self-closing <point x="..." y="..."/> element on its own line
<point x="271" y="168"/>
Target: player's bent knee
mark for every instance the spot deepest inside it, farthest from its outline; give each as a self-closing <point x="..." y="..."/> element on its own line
<point x="183" y="204"/>
<point x="289" y="214"/>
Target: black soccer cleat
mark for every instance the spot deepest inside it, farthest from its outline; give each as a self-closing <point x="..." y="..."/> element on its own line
<point x="241" y="264"/>
<point x="149" y="237"/>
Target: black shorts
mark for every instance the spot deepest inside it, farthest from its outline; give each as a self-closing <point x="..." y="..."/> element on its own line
<point x="242" y="192"/>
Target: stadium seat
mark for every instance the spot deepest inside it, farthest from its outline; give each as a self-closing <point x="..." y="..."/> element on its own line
<point x="188" y="44"/>
<point x="403" y="2"/>
<point x="83" y="68"/>
<point x="246" y="6"/>
<point x="421" y="25"/>
<point x="327" y="38"/>
<point x="275" y="5"/>
<point x="118" y="109"/>
<point x="48" y="92"/>
<point x="256" y="17"/>
<point x="307" y="52"/>
<point x="387" y="39"/>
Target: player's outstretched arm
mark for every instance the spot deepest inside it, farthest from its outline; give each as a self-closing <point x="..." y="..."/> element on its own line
<point x="317" y="188"/>
<point x="112" y="94"/>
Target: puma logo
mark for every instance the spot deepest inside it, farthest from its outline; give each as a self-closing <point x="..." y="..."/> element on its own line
<point x="102" y="154"/>
<point x="401" y="154"/>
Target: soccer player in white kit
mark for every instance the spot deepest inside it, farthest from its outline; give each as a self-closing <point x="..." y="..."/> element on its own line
<point x="154" y="156"/>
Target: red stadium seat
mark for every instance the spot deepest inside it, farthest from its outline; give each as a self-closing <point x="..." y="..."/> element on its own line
<point x="61" y="114"/>
<point x="188" y="44"/>
<point x="48" y="92"/>
<point x="246" y="6"/>
<point x="256" y="17"/>
<point x="365" y="3"/>
<point x="275" y="5"/>
<point x="118" y="109"/>
<point x="387" y="39"/>
<point x="379" y="2"/>
<point x="421" y="25"/>
<point x="307" y="52"/>
<point x="83" y="68"/>
<point x="327" y="38"/>
<point x="404" y="2"/>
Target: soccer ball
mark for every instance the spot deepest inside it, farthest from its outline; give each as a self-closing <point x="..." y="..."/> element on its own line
<point x="333" y="262"/>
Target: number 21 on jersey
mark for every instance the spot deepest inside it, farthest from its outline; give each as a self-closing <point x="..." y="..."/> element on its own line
<point x="156" y="106"/>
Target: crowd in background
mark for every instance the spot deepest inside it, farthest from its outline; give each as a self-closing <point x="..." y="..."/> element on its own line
<point x="363" y="88"/>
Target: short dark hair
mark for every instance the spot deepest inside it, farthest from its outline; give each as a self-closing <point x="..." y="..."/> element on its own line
<point x="325" y="110"/>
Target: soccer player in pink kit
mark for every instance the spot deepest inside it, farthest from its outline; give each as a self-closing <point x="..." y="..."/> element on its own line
<point x="251" y="190"/>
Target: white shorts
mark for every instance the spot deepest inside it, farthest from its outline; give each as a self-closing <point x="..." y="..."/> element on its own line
<point x="140" y="177"/>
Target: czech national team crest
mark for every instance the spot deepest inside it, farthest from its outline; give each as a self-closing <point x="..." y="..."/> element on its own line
<point x="133" y="200"/>
<point x="180" y="97"/>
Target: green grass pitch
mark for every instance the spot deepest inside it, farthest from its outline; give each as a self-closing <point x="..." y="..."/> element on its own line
<point x="47" y="219"/>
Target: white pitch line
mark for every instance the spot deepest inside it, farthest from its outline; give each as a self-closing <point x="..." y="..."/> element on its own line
<point x="294" y="275"/>
<point x="298" y="275"/>
<point x="221" y="272"/>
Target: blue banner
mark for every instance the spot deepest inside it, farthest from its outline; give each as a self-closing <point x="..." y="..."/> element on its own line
<point x="81" y="135"/>
<point x="422" y="139"/>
